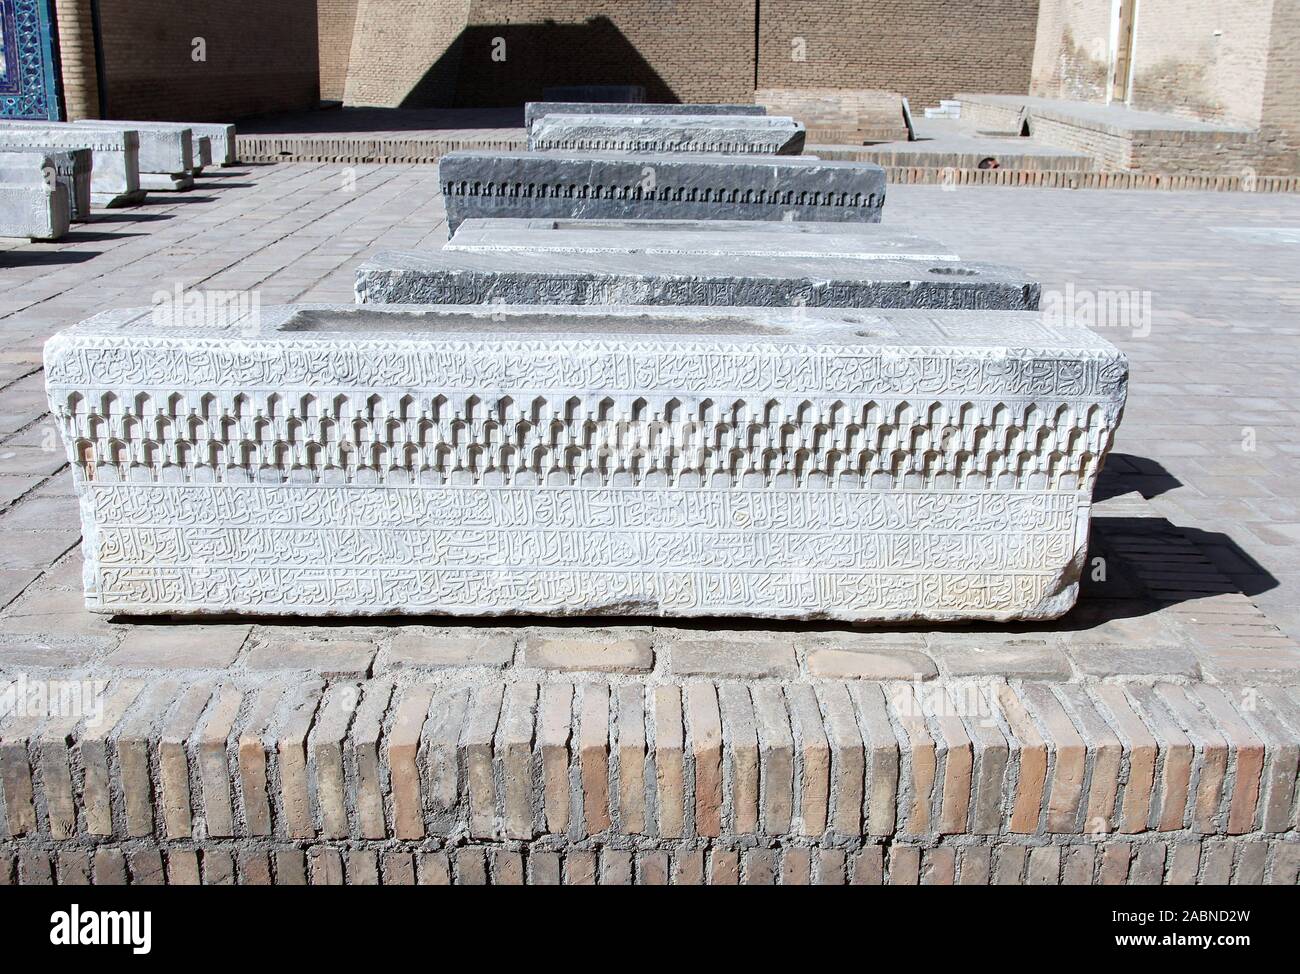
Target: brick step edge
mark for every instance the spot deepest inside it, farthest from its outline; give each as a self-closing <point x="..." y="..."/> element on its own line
<point x="482" y="758"/>
<point x="1138" y="863"/>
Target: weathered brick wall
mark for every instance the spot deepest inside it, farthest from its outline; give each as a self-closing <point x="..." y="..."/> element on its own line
<point x="1072" y="49"/>
<point x="1280" y="108"/>
<point x="261" y="56"/>
<point x="336" y="23"/>
<point x="405" y="53"/>
<point x="77" y="56"/>
<point x="923" y="49"/>
<point x="697" y="51"/>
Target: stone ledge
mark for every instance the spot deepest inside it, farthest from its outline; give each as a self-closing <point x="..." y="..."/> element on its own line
<point x="472" y="757"/>
<point x="1145" y="863"/>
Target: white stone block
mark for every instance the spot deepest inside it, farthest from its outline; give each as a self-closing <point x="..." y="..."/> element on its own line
<point x="115" y="176"/>
<point x="732" y="134"/>
<point x="841" y="464"/>
<point x="33" y="202"/>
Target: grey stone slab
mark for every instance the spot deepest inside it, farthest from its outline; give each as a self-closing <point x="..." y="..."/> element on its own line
<point x="728" y="134"/>
<point x="678" y="462"/>
<point x="765" y="277"/>
<point x="534" y="110"/>
<point x="220" y="136"/>
<point x="115" y="176"/>
<point x="33" y="203"/>
<point x="72" y="168"/>
<point x="602" y="186"/>
<point x="166" y="148"/>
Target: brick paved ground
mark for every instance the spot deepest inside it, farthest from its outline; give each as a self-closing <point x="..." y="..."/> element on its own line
<point x="1199" y="533"/>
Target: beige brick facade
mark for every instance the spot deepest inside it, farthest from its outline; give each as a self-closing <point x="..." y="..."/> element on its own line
<point x="213" y="61"/>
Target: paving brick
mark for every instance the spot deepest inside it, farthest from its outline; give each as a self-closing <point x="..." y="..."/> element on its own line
<point x="990" y="757"/>
<point x="741" y="761"/>
<point x="1184" y="863"/>
<point x="254" y="868"/>
<point x="1252" y="858"/>
<point x="580" y="867"/>
<point x="342" y="659"/>
<point x="776" y="759"/>
<point x="1176" y="757"/>
<point x="758" y="867"/>
<point x="291" y="758"/>
<point x="93" y="747"/>
<point x="600" y="654"/>
<point x="723" y="658"/>
<point x="670" y="785"/>
<point x="35" y="868"/>
<point x="813" y="764"/>
<point x="1077" y="865"/>
<point x="1115" y="864"/>
<point x="515" y="746"/>
<point x="470" y="866"/>
<point x="796" y="867"/>
<point x="615" y="867"/>
<point x="290" y="867"/>
<point x="830" y="867"/>
<point x="1211" y="755"/>
<point x="544" y="868"/>
<point x="1044" y="866"/>
<point x="998" y="655"/>
<point x="1148" y="865"/>
<point x="847" y="766"/>
<point x="1282" y="756"/>
<point x="418" y="648"/>
<point x="325" y="867"/>
<point x="1030" y="751"/>
<point x="174" y="761"/>
<point x="882" y="757"/>
<point x="109" y="867"/>
<point x="1248" y="758"/>
<point x="975" y="865"/>
<point x="1139" y="783"/>
<point x="631" y="759"/>
<point x="214" y="766"/>
<point x="920" y="756"/>
<point x="133" y="747"/>
<point x="724" y="868"/>
<point x="1009" y="865"/>
<point x="868" y="867"/>
<point x="1216" y="863"/>
<point x="1285" y="869"/>
<point x="958" y="763"/>
<point x="443" y="757"/>
<point x="253" y="744"/>
<point x="939" y="867"/>
<point x="833" y="663"/>
<point x="72" y="868"/>
<point x="1106" y="756"/>
<point x="704" y="729"/>
<point x="403" y="745"/>
<point x="179" y="647"/>
<point x="553" y="730"/>
<point x="652" y="869"/>
<point x="15" y="770"/>
<point x="507" y="867"/>
<point x="904" y="865"/>
<point x="688" y="868"/>
<point x="182" y="867"/>
<point x="218" y="868"/>
<point x="433" y="869"/>
<point x="1070" y="759"/>
<point x="326" y="747"/>
<point x="397" y="869"/>
<point x="480" y="729"/>
<point x="593" y="757"/>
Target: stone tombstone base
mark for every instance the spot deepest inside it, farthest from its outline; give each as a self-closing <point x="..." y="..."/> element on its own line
<point x="534" y="110"/>
<point x="220" y="137"/>
<point x="32" y="205"/>
<point x="166" y="150"/>
<point x="730" y="134"/>
<point x="652" y="262"/>
<point x="115" y="174"/>
<point x="336" y="460"/>
<point x="73" y="169"/>
<point x="683" y="187"/>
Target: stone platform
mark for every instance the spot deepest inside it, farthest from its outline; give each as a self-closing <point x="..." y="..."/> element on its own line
<point x="462" y="754"/>
<point x="824" y="464"/>
<point x="115" y="173"/>
<point x="700" y="187"/>
<point x="727" y="134"/>
<point x="707" y="262"/>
